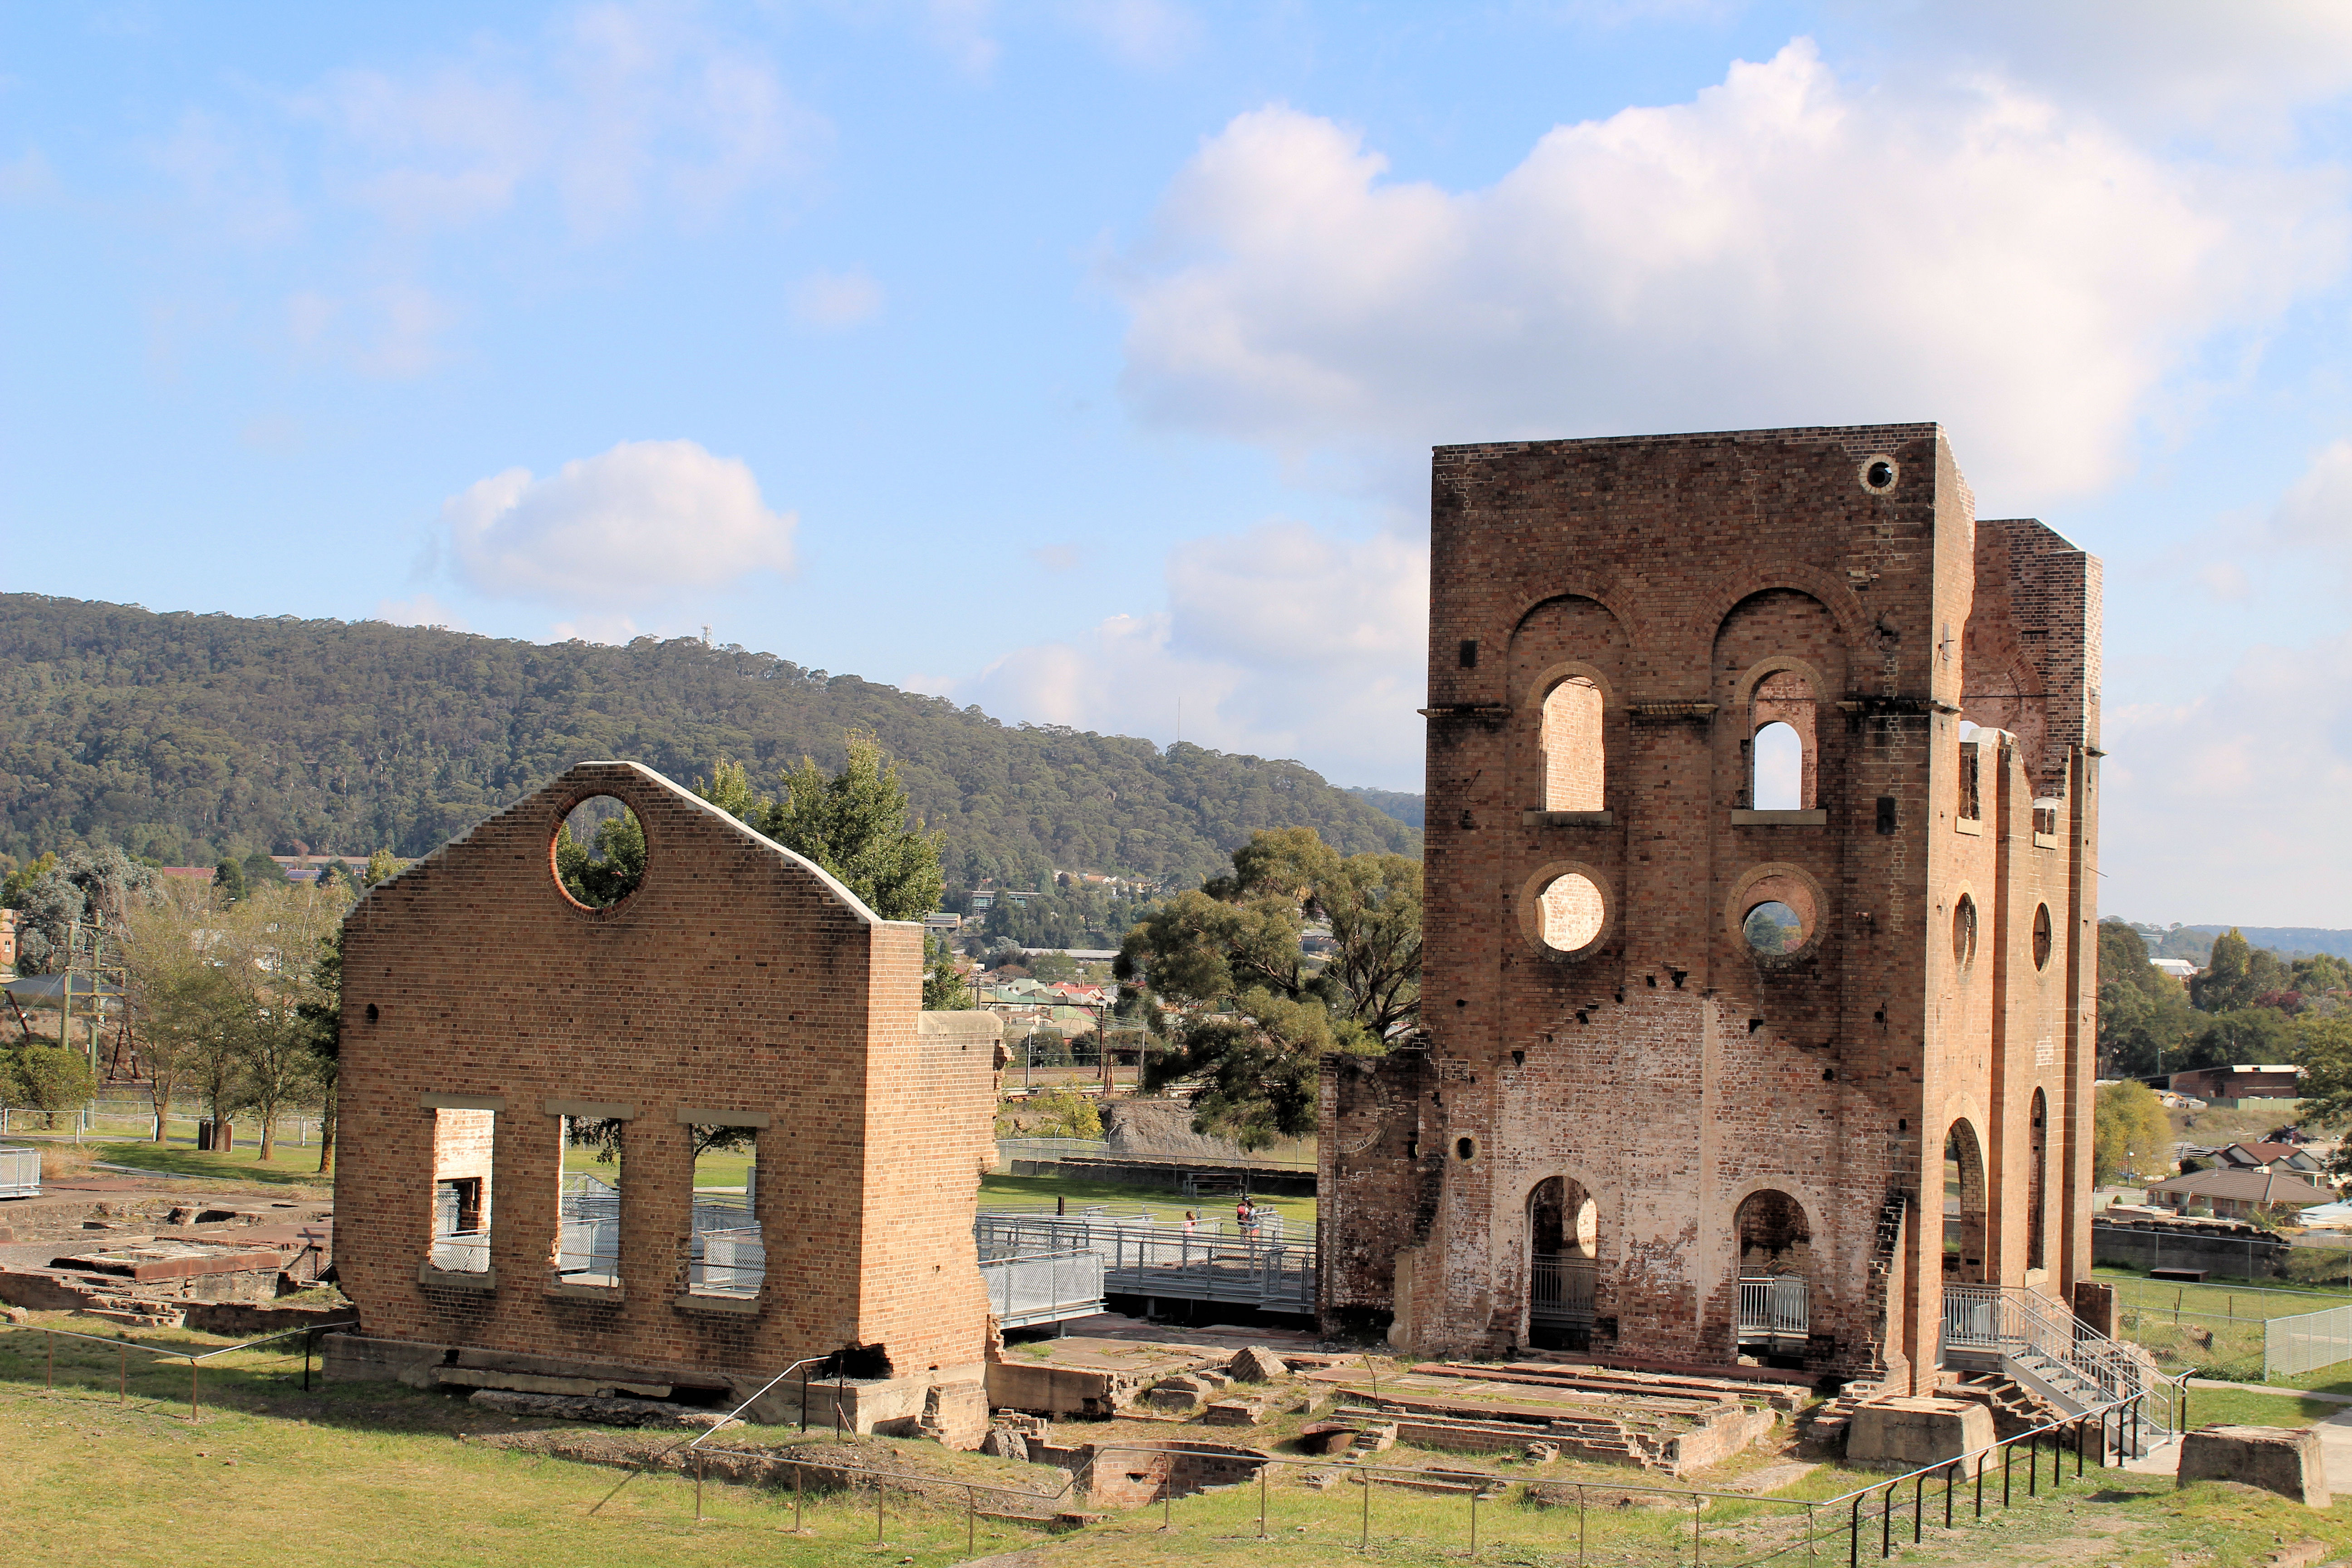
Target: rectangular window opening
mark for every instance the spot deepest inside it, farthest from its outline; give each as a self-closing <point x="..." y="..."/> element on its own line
<point x="728" y="1256"/>
<point x="463" y="1144"/>
<point x="588" y="1200"/>
<point x="1971" y="808"/>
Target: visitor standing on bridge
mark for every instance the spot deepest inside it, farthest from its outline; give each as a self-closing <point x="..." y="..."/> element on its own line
<point x="1246" y="1216"/>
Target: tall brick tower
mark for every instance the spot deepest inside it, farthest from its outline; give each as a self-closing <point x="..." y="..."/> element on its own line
<point x="1760" y="961"/>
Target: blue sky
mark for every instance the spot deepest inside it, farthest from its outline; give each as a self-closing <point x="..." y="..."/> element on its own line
<point x="1081" y="359"/>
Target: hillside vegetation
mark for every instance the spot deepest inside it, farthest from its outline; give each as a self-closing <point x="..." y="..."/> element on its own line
<point x="186" y="737"/>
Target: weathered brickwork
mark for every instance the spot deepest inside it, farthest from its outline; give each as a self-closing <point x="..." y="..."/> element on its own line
<point x="737" y="984"/>
<point x="1835" y="579"/>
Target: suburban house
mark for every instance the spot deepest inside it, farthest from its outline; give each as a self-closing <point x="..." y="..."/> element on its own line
<point x="2268" y="1157"/>
<point x="2180" y="968"/>
<point x="2237" y="1195"/>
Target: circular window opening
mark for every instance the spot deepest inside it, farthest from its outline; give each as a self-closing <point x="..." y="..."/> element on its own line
<point x="1572" y="912"/>
<point x="1465" y="1148"/>
<point x="1964" y="932"/>
<point x="2041" y="936"/>
<point x="1879" y="473"/>
<point x="600" y="851"/>
<point x="1773" y="928"/>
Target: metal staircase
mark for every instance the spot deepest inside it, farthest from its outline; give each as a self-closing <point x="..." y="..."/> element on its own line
<point x="2026" y="1337"/>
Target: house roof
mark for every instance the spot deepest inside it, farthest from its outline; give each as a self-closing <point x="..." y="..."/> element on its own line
<point x="2258" y="1154"/>
<point x="2247" y="1186"/>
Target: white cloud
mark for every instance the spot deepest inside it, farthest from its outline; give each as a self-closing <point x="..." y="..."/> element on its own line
<point x="2235" y="799"/>
<point x="617" y="107"/>
<point x="1284" y="641"/>
<point x="2237" y="73"/>
<point x="422" y="610"/>
<point x="1783" y="249"/>
<point x="2317" y="510"/>
<point x="633" y="526"/>
<point x="833" y="300"/>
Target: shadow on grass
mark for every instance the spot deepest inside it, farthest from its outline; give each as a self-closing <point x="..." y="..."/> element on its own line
<point x="166" y="1161"/>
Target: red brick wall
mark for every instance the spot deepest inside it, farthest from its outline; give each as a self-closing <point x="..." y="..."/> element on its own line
<point x="737" y="978"/>
<point x="1667" y="1069"/>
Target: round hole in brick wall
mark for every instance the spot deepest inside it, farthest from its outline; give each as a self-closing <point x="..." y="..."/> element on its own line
<point x="1572" y="912"/>
<point x="1466" y="1147"/>
<point x="599" y="851"/>
<point x="1880" y="474"/>
<point x="1772" y="927"/>
<point x="2041" y="936"/>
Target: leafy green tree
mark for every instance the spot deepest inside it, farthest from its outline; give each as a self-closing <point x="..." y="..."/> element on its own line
<point x="944" y="989"/>
<point x="2237" y="974"/>
<point x="182" y="1002"/>
<point x="261" y="871"/>
<point x="2130" y="1135"/>
<point x="19" y="880"/>
<point x="853" y="824"/>
<point x="1242" y="1005"/>
<point x="1065" y="1113"/>
<point x="2145" y="1020"/>
<point x="2251" y="1034"/>
<point x="81" y="886"/>
<point x="228" y="881"/>
<point x="381" y="867"/>
<point x="41" y="1077"/>
<point x="321" y="1012"/>
<point x="612" y="869"/>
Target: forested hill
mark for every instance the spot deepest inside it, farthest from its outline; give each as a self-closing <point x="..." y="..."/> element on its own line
<point x="187" y="737"/>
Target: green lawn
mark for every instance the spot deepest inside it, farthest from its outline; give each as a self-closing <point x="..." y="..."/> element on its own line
<point x="1159" y="1201"/>
<point x="294" y="1167"/>
<point x="369" y="1474"/>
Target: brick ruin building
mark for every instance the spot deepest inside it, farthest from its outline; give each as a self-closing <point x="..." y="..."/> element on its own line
<point x="1759" y="970"/>
<point x="488" y="1016"/>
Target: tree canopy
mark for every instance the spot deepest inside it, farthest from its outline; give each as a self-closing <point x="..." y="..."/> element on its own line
<point x="2129" y="1133"/>
<point x="1229" y="983"/>
<point x="190" y="738"/>
<point x="854" y="824"/>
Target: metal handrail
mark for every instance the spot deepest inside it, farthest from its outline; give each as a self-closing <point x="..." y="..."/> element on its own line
<point x="2003" y="1318"/>
<point x="195" y="1360"/>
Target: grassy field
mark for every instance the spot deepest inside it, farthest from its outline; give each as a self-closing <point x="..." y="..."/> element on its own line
<point x="294" y="1167"/>
<point x="1159" y="1201"/>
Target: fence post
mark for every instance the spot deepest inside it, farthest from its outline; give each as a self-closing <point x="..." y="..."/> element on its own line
<point x="878" y="1512"/>
<point x="2034" y="1463"/>
<point x="697" y="1486"/>
<point x="1887" y="1521"/>
<point x="122" y="1376"/>
<point x="970" y="1521"/>
<point x="1264" y="1469"/>
<point x="195" y="1370"/>
<point x="1853" y="1536"/>
<point x="52" y="1382"/>
<point x="1474" y="1522"/>
<point x="1980" y="1470"/>
<point x="1366" y="1542"/>
<point x="799" y="1471"/>
<point x="2007" y="1455"/>
<point x="1918" y="1504"/>
<point x="1694" y="1541"/>
<point x="1951" y="1474"/>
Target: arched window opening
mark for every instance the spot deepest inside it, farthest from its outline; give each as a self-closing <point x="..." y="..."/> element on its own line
<point x="1775" y="1265"/>
<point x="1564" y="1263"/>
<point x="1783" y="763"/>
<point x="1964" y="1208"/>
<point x="1572" y="747"/>
<point x="2037" y="1182"/>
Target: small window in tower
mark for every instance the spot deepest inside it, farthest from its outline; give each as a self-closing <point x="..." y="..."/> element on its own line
<point x="1572" y="747"/>
<point x="2042" y="939"/>
<point x="1572" y="911"/>
<point x="1964" y="933"/>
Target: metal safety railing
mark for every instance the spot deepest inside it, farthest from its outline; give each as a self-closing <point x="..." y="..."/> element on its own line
<point x="20" y="1172"/>
<point x="1165" y="1260"/>
<point x="462" y="1252"/>
<point x="2014" y="1323"/>
<point x="195" y="1359"/>
<point x="1776" y="1310"/>
<point x="1562" y="1289"/>
<point x="2307" y="1342"/>
<point x="1042" y="1286"/>
<point x="1867" y="1521"/>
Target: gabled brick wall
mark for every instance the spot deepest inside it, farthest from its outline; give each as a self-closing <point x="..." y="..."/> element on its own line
<point x="737" y="982"/>
<point x="1668" y="1069"/>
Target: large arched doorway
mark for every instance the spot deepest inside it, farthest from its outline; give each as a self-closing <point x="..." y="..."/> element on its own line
<point x="1776" y="1268"/>
<point x="1563" y="1264"/>
<point x="1964" y="1207"/>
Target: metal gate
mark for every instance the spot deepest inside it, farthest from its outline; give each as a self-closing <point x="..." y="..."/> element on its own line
<point x="1775" y="1313"/>
<point x="1561" y="1288"/>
